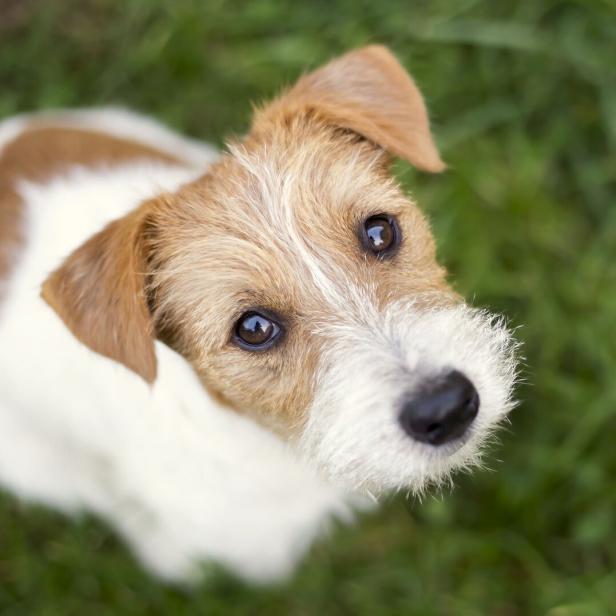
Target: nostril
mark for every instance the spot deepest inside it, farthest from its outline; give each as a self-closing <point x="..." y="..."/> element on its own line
<point x="443" y="412"/>
<point x="472" y="403"/>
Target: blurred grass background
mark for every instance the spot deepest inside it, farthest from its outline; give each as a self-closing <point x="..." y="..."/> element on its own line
<point x="523" y="97"/>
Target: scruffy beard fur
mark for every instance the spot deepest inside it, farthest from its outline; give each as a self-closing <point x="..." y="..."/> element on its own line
<point x="148" y="409"/>
<point x="353" y="432"/>
<point x="274" y="226"/>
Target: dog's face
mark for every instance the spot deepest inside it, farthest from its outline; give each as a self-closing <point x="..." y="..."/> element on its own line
<point x="303" y="287"/>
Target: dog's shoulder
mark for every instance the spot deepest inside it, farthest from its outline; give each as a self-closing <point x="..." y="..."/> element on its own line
<point x="39" y="143"/>
<point x="42" y="147"/>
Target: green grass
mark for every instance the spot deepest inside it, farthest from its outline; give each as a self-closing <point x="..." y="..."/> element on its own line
<point x="523" y="96"/>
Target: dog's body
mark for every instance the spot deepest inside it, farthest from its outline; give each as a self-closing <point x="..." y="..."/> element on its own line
<point x="79" y="431"/>
<point x="188" y="459"/>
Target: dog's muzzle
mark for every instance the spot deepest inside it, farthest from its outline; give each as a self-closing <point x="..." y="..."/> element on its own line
<point x="442" y="411"/>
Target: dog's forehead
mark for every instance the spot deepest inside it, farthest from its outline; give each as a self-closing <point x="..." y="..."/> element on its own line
<point x="285" y="188"/>
<point x="280" y="196"/>
<point x="277" y="225"/>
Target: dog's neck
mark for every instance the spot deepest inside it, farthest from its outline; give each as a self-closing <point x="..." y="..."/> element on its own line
<point x="183" y="478"/>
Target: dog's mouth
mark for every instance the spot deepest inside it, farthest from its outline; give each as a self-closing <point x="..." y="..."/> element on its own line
<point x="453" y="446"/>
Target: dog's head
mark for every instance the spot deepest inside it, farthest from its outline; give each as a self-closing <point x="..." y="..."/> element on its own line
<point x="303" y="287"/>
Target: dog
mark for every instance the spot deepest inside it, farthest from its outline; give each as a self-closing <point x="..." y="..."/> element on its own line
<point x="221" y="354"/>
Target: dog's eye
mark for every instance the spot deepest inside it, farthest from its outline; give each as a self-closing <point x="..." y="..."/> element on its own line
<point x="380" y="235"/>
<point x="256" y="332"/>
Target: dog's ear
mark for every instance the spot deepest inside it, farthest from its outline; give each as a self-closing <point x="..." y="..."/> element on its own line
<point x="370" y="93"/>
<point x="99" y="291"/>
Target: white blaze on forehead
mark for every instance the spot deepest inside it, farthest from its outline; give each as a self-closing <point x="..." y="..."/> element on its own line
<point x="278" y="188"/>
<point x="352" y="430"/>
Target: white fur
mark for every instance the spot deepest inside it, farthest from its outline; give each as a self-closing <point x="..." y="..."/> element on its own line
<point x="377" y="359"/>
<point x="182" y="478"/>
<point x="9" y="129"/>
<point x="353" y="432"/>
<point x="277" y="188"/>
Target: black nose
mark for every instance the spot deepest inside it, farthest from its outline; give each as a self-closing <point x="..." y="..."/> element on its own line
<point x="443" y="412"/>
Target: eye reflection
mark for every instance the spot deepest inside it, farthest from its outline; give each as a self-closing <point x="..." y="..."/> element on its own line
<point x="380" y="234"/>
<point x="254" y="331"/>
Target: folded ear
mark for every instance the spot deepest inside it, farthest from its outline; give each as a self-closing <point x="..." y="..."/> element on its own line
<point x="100" y="294"/>
<point x="370" y="93"/>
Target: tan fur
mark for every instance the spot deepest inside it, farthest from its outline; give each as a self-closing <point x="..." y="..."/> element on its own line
<point x="370" y="93"/>
<point x="273" y="225"/>
<point x="246" y="261"/>
<point x="43" y="150"/>
<point x="99" y="293"/>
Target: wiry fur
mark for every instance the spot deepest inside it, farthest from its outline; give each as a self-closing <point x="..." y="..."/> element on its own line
<point x="368" y="371"/>
<point x="181" y="477"/>
<point x="122" y="390"/>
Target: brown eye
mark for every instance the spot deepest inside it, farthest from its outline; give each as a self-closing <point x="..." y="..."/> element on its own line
<point x="381" y="235"/>
<point x="255" y="331"/>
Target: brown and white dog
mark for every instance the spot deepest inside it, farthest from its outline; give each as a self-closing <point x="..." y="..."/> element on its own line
<point x="219" y="354"/>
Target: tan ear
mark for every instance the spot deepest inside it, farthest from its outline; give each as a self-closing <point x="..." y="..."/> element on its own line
<point x="99" y="292"/>
<point x="370" y="93"/>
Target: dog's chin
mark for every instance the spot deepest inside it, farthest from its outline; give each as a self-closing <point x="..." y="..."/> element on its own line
<point x="393" y="462"/>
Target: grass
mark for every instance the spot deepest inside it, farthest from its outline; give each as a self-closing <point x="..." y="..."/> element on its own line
<point x="523" y="97"/>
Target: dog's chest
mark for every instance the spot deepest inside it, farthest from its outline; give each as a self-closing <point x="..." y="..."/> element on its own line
<point x="183" y="479"/>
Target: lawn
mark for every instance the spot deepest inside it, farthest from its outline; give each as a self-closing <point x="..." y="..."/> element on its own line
<point x="523" y="98"/>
